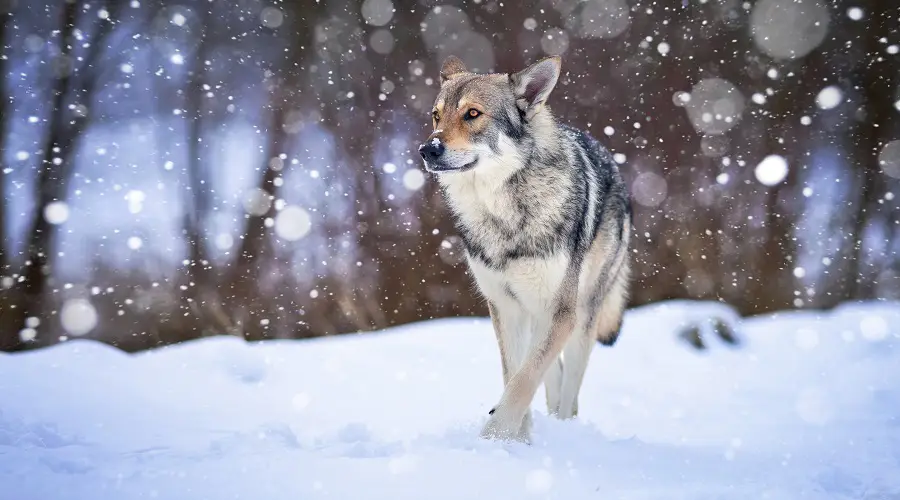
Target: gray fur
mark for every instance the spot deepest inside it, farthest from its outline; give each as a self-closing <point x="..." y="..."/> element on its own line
<point x="545" y="217"/>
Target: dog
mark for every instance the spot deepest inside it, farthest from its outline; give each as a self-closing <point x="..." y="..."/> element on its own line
<point x="545" y="218"/>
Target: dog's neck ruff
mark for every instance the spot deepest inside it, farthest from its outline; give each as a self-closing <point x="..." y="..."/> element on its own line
<point x="512" y="204"/>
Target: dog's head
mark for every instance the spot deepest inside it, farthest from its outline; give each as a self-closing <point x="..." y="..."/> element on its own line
<point x="482" y="119"/>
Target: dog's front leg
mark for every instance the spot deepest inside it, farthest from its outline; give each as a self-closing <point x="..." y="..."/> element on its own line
<point x="502" y="344"/>
<point x="507" y="417"/>
<point x="513" y="335"/>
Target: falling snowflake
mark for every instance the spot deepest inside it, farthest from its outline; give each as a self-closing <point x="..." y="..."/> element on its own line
<point x="271" y="17"/>
<point x="855" y="13"/>
<point x="829" y="97"/>
<point x="292" y="223"/>
<point x="413" y="179"/>
<point x="788" y="29"/>
<point x="771" y="170"/>
<point x="56" y="212"/>
<point x="78" y="316"/>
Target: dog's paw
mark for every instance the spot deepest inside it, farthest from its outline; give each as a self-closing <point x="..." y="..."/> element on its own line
<point x="568" y="412"/>
<point x="500" y="427"/>
<point x="553" y="408"/>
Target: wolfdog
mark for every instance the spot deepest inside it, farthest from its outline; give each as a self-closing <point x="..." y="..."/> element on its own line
<point x="545" y="219"/>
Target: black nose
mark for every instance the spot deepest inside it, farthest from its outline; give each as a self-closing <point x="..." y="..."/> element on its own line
<point x="431" y="150"/>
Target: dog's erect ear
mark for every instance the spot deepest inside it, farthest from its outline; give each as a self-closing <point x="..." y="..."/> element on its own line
<point x="452" y="66"/>
<point x="533" y="84"/>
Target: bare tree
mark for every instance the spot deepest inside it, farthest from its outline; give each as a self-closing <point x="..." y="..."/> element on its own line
<point x="76" y="74"/>
<point x="284" y="88"/>
<point x="878" y="82"/>
<point x="204" y="301"/>
<point x="7" y="96"/>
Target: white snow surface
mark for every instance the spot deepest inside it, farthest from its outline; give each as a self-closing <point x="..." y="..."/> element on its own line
<point x="807" y="407"/>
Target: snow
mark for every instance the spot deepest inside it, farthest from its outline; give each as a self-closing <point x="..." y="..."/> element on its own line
<point x="789" y="29"/>
<point x="806" y="407"/>
<point x="855" y="13"/>
<point x="27" y="334"/>
<point x="56" y="212"/>
<point x="771" y="170"/>
<point x="413" y="179"/>
<point x="257" y="202"/>
<point x="78" y="316"/>
<point x="135" y="199"/>
<point x="603" y="19"/>
<point x="382" y="41"/>
<point x="715" y="106"/>
<point x="889" y="159"/>
<point x="271" y="17"/>
<point x="829" y="97"/>
<point x="649" y="189"/>
<point x="555" y="42"/>
<point x="377" y="12"/>
<point x="292" y="223"/>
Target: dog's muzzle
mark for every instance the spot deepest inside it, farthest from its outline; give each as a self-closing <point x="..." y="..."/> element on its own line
<point x="432" y="153"/>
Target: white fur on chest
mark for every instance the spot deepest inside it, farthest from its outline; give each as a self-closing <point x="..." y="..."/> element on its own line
<point x="480" y="190"/>
<point x="531" y="283"/>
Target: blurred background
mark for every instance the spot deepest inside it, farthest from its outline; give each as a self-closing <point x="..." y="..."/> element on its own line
<point x="177" y="169"/>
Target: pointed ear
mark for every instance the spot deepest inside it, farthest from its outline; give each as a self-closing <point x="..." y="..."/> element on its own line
<point x="452" y="66"/>
<point x="533" y="84"/>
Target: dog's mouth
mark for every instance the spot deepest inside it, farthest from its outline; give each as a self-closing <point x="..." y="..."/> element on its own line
<point x="442" y="168"/>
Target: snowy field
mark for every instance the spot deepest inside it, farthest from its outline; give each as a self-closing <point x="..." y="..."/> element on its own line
<point x="807" y="407"/>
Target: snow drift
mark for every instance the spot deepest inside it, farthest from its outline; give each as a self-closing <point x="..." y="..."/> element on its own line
<point x="808" y="406"/>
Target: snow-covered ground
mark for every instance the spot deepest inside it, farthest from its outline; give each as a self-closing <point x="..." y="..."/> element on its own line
<point x="807" y="407"/>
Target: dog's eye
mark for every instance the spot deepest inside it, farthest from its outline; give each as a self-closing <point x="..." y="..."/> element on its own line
<point x="472" y="114"/>
<point x="435" y="117"/>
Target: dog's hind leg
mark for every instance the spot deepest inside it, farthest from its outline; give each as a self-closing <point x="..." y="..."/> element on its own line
<point x="553" y="384"/>
<point x="607" y="321"/>
<point x="576" y="355"/>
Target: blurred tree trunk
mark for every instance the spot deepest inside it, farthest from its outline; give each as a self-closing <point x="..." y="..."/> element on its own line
<point x="256" y="247"/>
<point x="53" y="176"/>
<point x="878" y="85"/>
<point x="75" y="79"/>
<point x="774" y="257"/>
<point x="202" y="293"/>
<point x="6" y="97"/>
<point x="352" y="125"/>
<point x="256" y="243"/>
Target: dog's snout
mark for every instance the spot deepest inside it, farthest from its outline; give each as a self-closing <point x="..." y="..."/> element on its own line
<point x="431" y="150"/>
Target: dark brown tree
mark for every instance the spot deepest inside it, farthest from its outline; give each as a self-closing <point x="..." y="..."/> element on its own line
<point x="76" y="75"/>
<point x="6" y="105"/>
